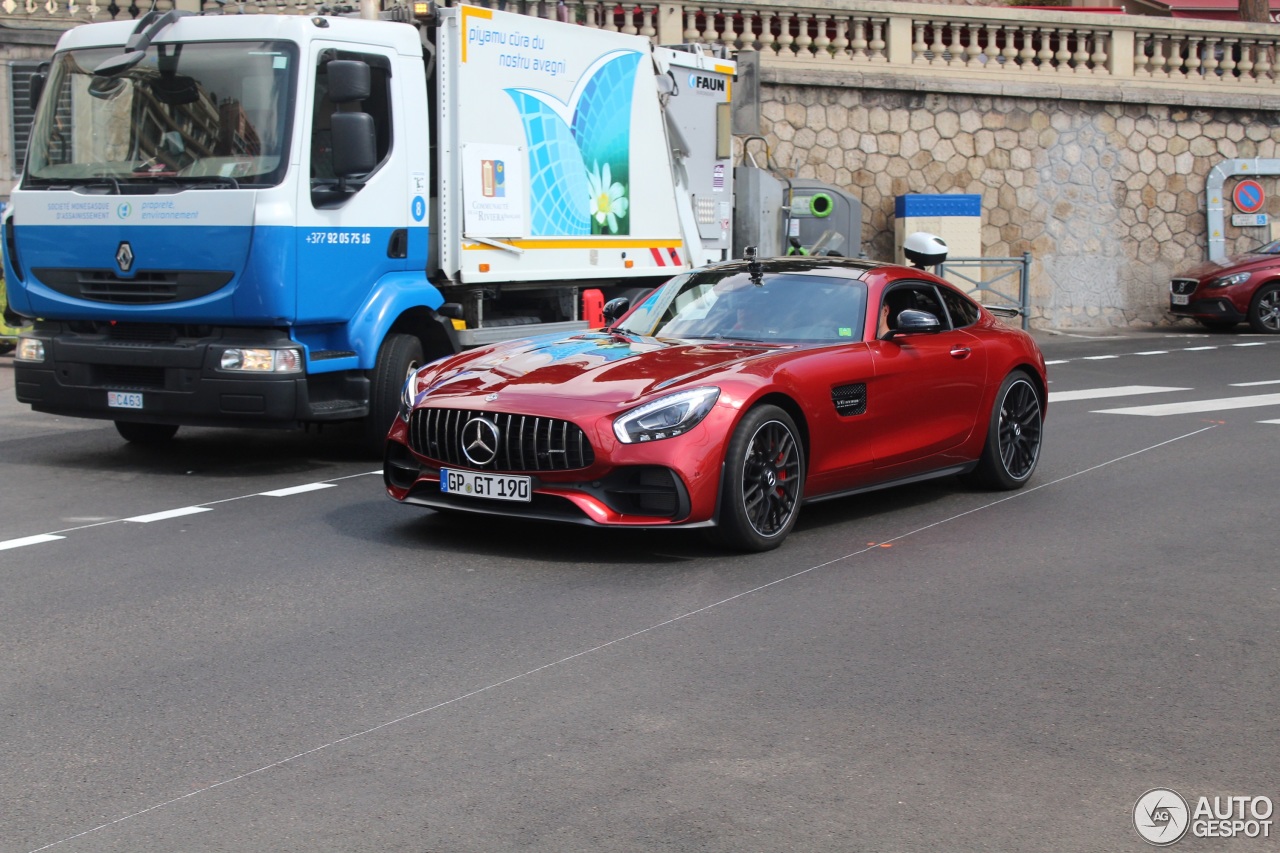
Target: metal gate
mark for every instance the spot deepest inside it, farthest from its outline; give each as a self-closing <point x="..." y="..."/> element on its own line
<point x="1008" y="279"/>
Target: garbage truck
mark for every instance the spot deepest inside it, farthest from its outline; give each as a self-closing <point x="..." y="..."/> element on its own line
<point x="271" y="220"/>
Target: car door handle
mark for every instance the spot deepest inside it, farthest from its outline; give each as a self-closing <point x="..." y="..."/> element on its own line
<point x="960" y="352"/>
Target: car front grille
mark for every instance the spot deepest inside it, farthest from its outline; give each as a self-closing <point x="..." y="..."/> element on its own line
<point x="1183" y="286"/>
<point x="519" y="442"/>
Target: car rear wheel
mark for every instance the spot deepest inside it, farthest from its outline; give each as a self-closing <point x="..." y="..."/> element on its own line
<point x="762" y="483"/>
<point x="1264" y="311"/>
<point x="1013" y="435"/>
<point x="146" y="434"/>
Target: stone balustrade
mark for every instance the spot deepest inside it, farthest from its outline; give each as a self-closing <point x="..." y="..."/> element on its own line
<point x="963" y="44"/>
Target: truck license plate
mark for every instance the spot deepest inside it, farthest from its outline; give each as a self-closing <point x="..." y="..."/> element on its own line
<point x="500" y="487"/>
<point x="124" y="400"/>
<point x="1179" y="299"/>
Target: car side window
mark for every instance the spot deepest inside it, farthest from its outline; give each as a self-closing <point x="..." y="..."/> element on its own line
<point x="962" y="309"/>
<point x="913" y="296"/>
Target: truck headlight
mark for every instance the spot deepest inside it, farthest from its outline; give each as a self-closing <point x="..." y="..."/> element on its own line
<point x="262" y="360"/>
<point x="1228" y="280"/>
<point x="666" y="417"/>
<point x="29" y="349"/>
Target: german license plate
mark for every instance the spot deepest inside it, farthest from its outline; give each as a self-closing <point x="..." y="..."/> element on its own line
<point x="498" y="487"/>
<point x="124" y="399"/>
<point x="1178" y="299"/>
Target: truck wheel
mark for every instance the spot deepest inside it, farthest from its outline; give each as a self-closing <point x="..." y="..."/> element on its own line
<point x="399" y="356"/>
<point x="146" y="434"/>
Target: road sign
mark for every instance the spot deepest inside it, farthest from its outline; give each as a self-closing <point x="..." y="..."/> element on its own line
<point x="1248" y="196"/>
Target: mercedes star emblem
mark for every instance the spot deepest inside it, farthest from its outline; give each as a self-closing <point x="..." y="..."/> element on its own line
<point x="480" y="441"/>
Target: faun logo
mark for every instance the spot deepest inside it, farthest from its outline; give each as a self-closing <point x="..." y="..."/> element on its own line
<point x="706" y="84"/>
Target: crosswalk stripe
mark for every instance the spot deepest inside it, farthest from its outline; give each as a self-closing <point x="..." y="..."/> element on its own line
<point x="1269" y="422"/>
<point x="1117" y="391"/>
<point x="1220" y="404"/>
<point x="1251" y="384"/>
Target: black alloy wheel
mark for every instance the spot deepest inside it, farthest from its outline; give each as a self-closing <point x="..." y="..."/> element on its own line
<point x="763" y="481"/>
<point x="1014" y="435"/>
<point x="1264" y="311"/>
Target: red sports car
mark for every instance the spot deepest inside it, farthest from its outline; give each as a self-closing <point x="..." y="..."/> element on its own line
<point x="1220" y="294"/>
<point x="729" y="397"/>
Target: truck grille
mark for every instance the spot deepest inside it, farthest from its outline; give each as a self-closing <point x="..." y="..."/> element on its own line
<point x="521" y="442"/>
<point x="148" y="287"/>
<point x="1183" y="286"/>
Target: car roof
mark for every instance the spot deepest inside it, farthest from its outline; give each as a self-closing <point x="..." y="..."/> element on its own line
<point x="827" y="264"/>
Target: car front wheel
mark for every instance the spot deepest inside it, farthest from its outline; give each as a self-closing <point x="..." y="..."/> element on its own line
<point x="762" y="483"/>
<point x="1013" y="435"/>
<point x="1264" y="311"/>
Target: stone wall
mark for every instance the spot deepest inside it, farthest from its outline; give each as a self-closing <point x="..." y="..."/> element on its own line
<point x="1109" y="198"/>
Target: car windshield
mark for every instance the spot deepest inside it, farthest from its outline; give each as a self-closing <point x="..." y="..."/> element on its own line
<point x="1272" y="248"/>
<point x="792" y="306"/>
<point x="187" y="114"/>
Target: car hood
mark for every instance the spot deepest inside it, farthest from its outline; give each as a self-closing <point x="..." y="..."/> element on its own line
<point x="1236" y="263"/>
<point x="604" y="367"/>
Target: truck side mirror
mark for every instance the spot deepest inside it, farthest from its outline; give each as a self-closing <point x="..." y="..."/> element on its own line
<point x="35" y="87"/>
<point x="348" y="80"/>
<point x="355" y="145"/>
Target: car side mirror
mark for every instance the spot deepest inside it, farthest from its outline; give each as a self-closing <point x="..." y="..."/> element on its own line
<point x="913" y="322"/>
<point x="615" y="308"/>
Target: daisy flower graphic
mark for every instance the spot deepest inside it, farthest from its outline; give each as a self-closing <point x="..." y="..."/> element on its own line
<point x="608" y="199"/>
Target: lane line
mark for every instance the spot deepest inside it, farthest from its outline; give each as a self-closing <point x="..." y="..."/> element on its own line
<point x="1117" y="391"/>
<point x="1251" y="344"/>
<point x="1196" y="349"/>
<point x="1251" y="384"/>
<point x="29" y="540"/>
<point x="1099" y="357"/>
<point x="1059" y="361"/>
<point x="1269" y="422"/>
<point x="172" y="513"/>
<point x="524" y="675"/>
<point x="169" y="513"/>
<point x="1221" y="404"/>
<point x="1153" y="352"/>
<point x="297" y="490"/>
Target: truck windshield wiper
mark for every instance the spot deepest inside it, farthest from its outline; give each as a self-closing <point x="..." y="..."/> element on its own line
<point x="205" y="182"/>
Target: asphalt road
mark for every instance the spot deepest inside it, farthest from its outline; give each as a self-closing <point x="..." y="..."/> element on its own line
<point x="240" y="644"/>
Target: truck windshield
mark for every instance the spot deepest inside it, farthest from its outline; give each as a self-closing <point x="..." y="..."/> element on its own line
<point x="186" y="115"/>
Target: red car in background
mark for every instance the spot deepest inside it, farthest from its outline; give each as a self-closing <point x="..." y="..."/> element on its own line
<point x="729" y="397"/>
<point x="1220" y="294"/>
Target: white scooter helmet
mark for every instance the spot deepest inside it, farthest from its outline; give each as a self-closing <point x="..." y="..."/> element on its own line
<point x="924" y="249"/>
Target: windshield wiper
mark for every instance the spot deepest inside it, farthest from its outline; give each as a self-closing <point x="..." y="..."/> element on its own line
<point x="209" y="182"/>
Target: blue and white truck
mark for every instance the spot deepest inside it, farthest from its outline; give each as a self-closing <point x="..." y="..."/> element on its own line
<point x="260" y="220"/>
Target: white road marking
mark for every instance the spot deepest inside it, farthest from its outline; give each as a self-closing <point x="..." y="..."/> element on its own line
<point x="1269" y="422"/>
<point x="1251" y="384"/>
<point x="1117" y="391"/>
<point x="297" y="490"/>
<point x="1218" y="405"/>
<point x="29" y="540"/>
<point x="1196" y="349"/>
<point x="462" y="697"/>
<point x="1059" y="361"/>
<point x="169" y="513"/>
<point x="1099" y="357"/>
<point x="1251" y="344"/>
<point x="1153" y="352"/>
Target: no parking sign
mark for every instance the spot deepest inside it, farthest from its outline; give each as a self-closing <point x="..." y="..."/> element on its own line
<point x="1248" y="196"/>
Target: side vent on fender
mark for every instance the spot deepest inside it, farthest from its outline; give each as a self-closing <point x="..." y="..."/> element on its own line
<point x="850" y="399"/>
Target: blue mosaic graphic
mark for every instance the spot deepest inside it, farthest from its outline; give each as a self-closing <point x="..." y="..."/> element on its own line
<point x="580" y="170"/>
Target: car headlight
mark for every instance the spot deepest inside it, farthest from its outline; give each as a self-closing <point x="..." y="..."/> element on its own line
<point x="407" y="395"/>
<point x="29" y="349"/>
<point x="1228" y="280"/>
<point x="666" y="417"/>
<point x="255" y="360"/>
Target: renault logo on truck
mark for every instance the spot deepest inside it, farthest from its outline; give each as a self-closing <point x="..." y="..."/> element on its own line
<point x="124" y="256"/>
<point x="706" y="84"/>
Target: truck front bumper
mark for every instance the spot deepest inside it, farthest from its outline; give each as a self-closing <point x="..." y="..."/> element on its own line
<point x="176" y="379"/>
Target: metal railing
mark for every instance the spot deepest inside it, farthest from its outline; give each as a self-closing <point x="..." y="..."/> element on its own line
<point x="1008" y="280"/>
